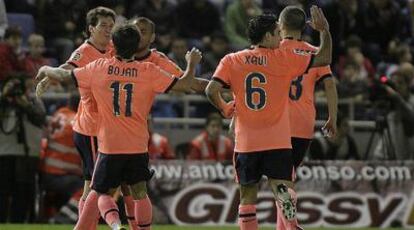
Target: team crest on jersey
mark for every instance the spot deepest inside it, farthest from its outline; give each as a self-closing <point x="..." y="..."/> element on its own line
<point x="76" y="56"/>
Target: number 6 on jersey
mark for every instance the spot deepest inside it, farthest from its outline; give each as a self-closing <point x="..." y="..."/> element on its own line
<point x="116" y="87"/>
<point x="260" y="102"/>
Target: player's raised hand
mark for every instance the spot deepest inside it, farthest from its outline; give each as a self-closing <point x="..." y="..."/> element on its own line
<point x="318" y="20"/>
<point x="41" y="74"/>
<point x="193" y="57"/>
<point x="42" y="86"/>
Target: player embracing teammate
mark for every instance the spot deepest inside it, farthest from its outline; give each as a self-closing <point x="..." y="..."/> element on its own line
<point x="260" y="80"/>
<point x="123" y="89"/>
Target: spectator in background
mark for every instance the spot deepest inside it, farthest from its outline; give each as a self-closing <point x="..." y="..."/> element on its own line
<point x="196" y="20"/>
<point x="400" y="116"/>
<point x="158" y="146"/>
<point x="343" y="17"/>
<point x="3" y="19"/>
<point x="163" y="40"/>
<point x="120" y="13"/>
<point x="159" y="11"/>
<point x="219" y="46"/>
<point x="398" y="53"/>
<point x="11" y="56"/>
<point x="61" y="22"/>
<point x="21" y="119"/>
<point x="60" y="161"/>
<point x="237" y="18"/>
<point x="379" y="22"/>
<point x="34" y="59"/>
<point x="354" y="54"/>
<point x="179" y="48"/>
<point x="352" y="84"/>
<point x="403" y="54"/>
<point x="211" y="144"/>
<point x="22" y="6"/>
<point x="410" y="9"/>
<point x="341" y="147"/>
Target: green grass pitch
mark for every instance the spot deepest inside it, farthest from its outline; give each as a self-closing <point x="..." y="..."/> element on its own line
<point x="156" y="227"/>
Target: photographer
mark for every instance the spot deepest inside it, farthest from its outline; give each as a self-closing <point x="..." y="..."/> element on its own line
<point x="400" y="118"/>
<point x="21" y="119"/>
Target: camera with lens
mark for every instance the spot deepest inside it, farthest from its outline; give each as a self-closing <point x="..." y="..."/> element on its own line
<point x="378" y="92"/>
<point x="15" y="86"/>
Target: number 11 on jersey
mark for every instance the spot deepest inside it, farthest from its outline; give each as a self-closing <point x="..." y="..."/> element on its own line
<point x="116" y="87"/>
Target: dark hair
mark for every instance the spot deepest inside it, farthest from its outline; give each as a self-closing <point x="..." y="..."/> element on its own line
<point x="92" y="16"/>
<point x="293" y="17"/>
<point x="144" y="20"/>
<point x="126" y="39"/>
<point x="13" y="31"/>
<point x="259" y="26"/>
<point x="214" y="117"/>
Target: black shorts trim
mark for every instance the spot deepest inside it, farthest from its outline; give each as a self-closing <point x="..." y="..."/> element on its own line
<point x="275" y="164"/>
<point x="113" y="169"/>
<point x="299" y="148"/>
<point x="86" y="146"/>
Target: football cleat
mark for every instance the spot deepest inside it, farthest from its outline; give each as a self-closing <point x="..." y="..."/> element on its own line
<point x="285" y="202"/>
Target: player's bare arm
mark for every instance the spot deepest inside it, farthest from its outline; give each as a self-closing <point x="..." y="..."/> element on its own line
<point x="47" y="74"/>
<point x="193" y="57"/>
<point x="332" y="98"/>
<point x="318" y="22"/>
<point x="199" y="85"/>
<point x="53" y="73"/>
<point x="214" y="96"/>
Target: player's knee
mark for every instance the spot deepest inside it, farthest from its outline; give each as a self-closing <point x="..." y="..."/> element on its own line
<point x="248" y="194"/>
<point x="139" y="190"/>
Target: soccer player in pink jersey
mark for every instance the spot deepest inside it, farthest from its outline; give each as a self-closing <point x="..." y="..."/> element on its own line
<point x="124" y="91"/>
<point x="145" y="54"/>
<point x="260" y="78"/>
<point x="301" y="94"/>
<point x="99" y="24"/>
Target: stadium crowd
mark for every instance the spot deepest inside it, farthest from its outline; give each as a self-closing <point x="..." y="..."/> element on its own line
<point x="372" y="47"/>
